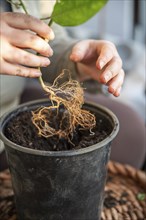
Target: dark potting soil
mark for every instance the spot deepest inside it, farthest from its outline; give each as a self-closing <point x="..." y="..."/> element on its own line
<point x="22" y="131"/>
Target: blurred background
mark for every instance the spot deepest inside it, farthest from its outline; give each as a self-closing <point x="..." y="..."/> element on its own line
<point x="124" y="23"/>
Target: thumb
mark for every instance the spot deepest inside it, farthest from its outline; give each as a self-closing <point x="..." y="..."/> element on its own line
<point x="80" y="51"/>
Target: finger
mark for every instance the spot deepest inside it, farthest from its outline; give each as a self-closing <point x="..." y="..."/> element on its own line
<point x="25" y="58"/>
<point x="25" y="22"/>
<point x="118" y="91"/>
<point x="82" y="51"/>
<point x="106" y="54"/>
<point x="112" y="69"/>
<point x="87" y="72"/>
<point x="29" y="40"/>
<point x="17" y="70"/>
<point x="116" y="82"/>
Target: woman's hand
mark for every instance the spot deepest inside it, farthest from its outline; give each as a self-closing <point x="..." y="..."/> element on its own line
<point x="18" y="32"/>
<point x="100" y="60"/>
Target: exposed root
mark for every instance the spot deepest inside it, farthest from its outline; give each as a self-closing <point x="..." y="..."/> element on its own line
<point x="65" y="113"/>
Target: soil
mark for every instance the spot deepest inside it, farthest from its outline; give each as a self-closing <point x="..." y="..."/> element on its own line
<point x="22" y="131"/>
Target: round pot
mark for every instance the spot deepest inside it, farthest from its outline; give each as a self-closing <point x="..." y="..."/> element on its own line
<point x="61" y="185"/>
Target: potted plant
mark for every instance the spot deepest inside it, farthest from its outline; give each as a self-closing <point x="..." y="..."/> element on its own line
<point x="66" y="184"/>
<point x="58" y="148"/>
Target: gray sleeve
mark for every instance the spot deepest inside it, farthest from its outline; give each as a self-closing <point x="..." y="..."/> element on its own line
<point x="62" y="46"/>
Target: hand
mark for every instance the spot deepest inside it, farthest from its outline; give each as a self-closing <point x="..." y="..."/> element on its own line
<point x="18" y="32"/>
<point x="101" y="61"/>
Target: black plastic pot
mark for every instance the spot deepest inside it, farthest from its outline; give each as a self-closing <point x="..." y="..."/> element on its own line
<point x="64" y="185"/>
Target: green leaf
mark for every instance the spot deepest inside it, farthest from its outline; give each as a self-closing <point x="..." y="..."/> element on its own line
<point x="141" y="196"/>
<point x="75" y="12"/>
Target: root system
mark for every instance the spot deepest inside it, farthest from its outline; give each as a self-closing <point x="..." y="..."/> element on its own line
<point x="66" y="113"/>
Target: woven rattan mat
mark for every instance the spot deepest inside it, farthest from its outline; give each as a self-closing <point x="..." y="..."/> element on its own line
<point x="125" y="194"/>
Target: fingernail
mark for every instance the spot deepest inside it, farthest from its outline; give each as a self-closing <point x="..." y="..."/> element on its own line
<point x="112" y="89"/>
<point x="118" y="91"/>
<point x="48" y="52"/>
<point x="108" y="76"/>
<point x="51" y="35"/>
<point x="37" y="74"/>
<point x="51" y="52"/>
<point x="101" y="64"/>
<point x="74" y="57"/>
<point x="45" y="63"/>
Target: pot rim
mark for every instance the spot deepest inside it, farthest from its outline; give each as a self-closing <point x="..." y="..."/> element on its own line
<point x="25" y="106"/>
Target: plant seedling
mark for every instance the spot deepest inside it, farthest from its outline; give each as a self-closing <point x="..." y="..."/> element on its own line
<point x="66" y="97"/>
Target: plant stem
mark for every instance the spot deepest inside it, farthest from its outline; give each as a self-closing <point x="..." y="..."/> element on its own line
<point x="17" y="5"/>
<point x="23" y="6"/>
<point x="50" y="22"/>
<point x="46" y="18"/>
<point x="41" y="81"/>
